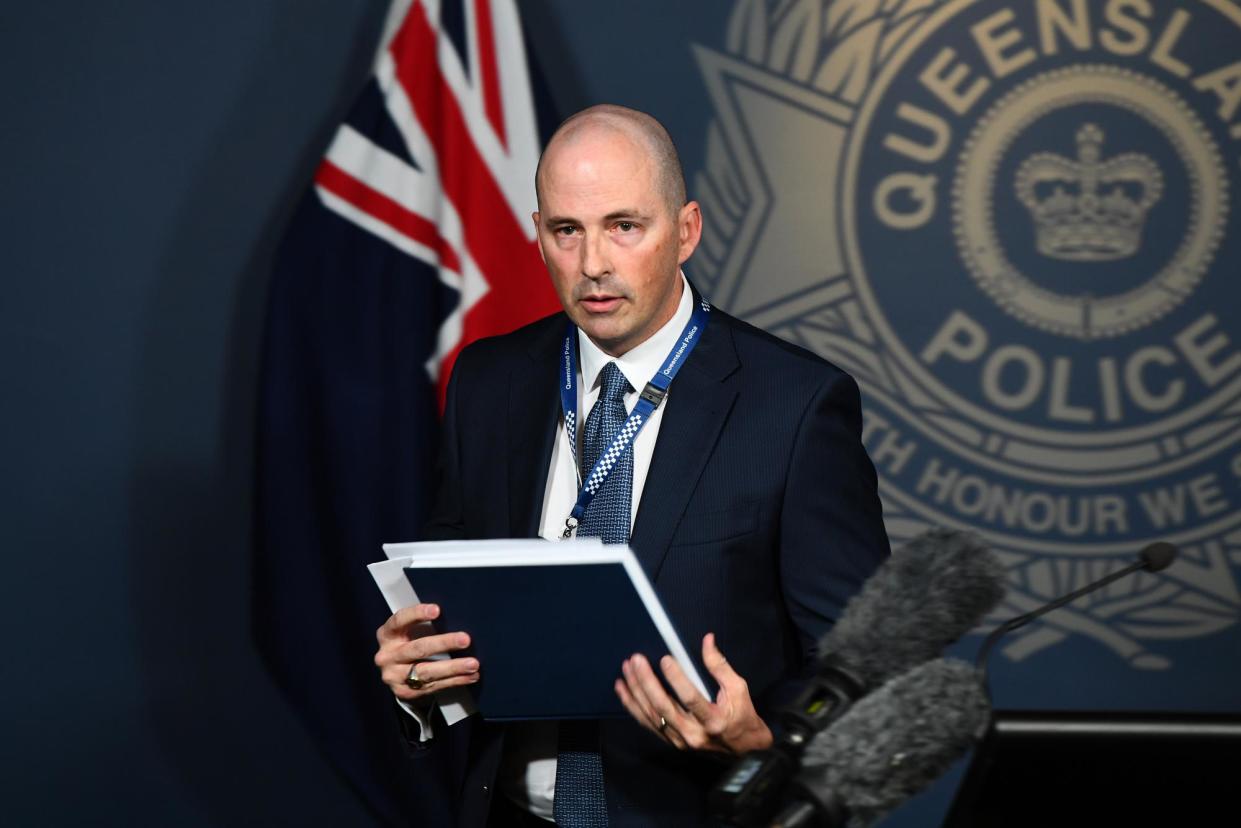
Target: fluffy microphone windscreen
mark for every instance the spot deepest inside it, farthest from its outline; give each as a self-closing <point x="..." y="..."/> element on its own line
<point x="899" y="739"/>
<point x="928" y="594"/>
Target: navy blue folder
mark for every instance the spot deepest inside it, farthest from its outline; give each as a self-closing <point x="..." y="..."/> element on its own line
<point x="549" y="638"/>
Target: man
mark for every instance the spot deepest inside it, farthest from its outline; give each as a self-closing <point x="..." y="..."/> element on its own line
<point x="750" y="501"/>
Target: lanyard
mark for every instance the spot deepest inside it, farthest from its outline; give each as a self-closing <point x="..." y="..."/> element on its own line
<point x="652" y="395"/>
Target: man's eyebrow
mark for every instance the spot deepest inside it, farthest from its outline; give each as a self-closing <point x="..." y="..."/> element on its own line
<point x="615" y="215"/>
<point x="627" y="213"/>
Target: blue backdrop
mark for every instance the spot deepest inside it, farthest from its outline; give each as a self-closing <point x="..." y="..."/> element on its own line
<point x="1015" y="223"/>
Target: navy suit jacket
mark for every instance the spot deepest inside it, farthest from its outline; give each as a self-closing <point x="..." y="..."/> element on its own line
<point x="758" y="520"/>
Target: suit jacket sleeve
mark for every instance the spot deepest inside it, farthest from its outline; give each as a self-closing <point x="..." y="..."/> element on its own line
<point x="447" y="521"/>
<point x="832" y="530"/>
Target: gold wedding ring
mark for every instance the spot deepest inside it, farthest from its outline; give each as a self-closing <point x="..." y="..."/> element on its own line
<point x="412" y="679"/>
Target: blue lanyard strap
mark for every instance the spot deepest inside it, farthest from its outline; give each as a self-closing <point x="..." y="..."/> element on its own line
<point x="649" y="400"/>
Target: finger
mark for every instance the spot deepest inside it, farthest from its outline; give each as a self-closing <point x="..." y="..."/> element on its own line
<point x="719" y="668"/>
<point x="640" y="715"/>
<point x="664" y="708"/>
<point x="632" y="706"/>
<point x="442" y="668"/>
<point x="651" y="687"/>
<point x="674" y="737"/>
<point x="430" y="646"/>
<point x="689" y="696"/>
<point x="738" y="724"/>
<point x="437" y="672"/>
<point x="733" y="700"/>
<point x="636" y="689"/>
<point x="428" y="672"/>
<point x="406" y="693"/>
<point x="399" y="622"/>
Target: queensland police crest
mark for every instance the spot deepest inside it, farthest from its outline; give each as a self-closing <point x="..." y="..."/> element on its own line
<point x="1011" y="222"/>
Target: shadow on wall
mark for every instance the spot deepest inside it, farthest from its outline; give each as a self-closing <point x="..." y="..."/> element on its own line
<point x="222" y="725"/>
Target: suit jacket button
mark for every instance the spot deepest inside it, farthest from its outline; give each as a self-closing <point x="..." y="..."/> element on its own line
<point x="486" y="791"/>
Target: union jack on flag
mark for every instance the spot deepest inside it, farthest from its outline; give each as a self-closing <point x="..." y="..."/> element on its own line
<point x="415" y="240"/>
<point x="454" y="80"/>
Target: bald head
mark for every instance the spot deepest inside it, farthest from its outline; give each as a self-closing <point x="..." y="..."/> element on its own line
<point x="613" y="225"/>
<point x="639" y="128"/>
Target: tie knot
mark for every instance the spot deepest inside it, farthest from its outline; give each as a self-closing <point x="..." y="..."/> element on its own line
<point x="613" y="384"/>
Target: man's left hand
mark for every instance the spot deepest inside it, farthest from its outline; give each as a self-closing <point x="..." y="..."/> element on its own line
<point x="729" y="725"/>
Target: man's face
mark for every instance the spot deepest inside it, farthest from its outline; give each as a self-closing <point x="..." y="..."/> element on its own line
<point x="611" y="242"/>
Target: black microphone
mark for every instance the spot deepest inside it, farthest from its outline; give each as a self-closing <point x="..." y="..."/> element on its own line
<point x="927" y="595"/>
<point x="889" y="746"/>
<point x="1152" y="558"/>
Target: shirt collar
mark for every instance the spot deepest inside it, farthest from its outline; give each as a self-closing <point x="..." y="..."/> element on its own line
<point x="639" y="363"/>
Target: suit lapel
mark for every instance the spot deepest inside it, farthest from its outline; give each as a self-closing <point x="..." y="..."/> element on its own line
<point x="697" y="406"/>
<point x="533" y="414"/>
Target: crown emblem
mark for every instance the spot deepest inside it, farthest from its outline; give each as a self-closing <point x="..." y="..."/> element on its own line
<point x="1089" y="209"/>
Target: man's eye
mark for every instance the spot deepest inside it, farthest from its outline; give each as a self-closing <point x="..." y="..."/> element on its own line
<point x="566" y="231"/>
<point x="625" y="226"/>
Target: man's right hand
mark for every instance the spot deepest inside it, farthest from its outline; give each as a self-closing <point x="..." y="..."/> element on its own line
<point x="407" y="639"/>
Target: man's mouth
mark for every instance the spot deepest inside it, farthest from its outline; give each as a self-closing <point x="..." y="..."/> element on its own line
<point x="600" y="304"/>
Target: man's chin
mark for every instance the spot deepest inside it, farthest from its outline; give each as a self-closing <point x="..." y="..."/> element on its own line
<point x="609" y="337"/>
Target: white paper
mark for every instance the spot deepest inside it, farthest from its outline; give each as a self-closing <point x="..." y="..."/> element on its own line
<point x="520" y="547"/>
<point x="455" y="703"/>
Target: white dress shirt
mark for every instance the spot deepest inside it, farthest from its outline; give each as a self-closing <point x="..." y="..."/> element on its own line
<point x="528" y="771"/>
<point x="638" y="365"/>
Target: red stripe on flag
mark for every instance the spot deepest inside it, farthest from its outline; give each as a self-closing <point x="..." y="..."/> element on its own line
<point x="519" y="290"/>
<point x="369" y="200"/>
<point x="491" y="76"/>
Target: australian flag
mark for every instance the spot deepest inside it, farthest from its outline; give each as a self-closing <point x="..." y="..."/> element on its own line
<point x="415" y="239"/>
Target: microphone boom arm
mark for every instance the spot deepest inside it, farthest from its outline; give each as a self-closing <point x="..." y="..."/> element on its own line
<point x="1153" y="557"/>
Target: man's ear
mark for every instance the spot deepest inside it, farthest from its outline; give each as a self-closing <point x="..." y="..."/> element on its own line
<point x="538" y="237"/>
<point x="689" y="230"/>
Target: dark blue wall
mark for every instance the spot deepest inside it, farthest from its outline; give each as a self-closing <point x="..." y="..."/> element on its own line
<point x="153" y="151"/>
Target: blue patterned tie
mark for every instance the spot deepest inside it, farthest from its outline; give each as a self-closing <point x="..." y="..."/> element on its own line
<point x="608" y="515"/>
<point x="579" y="801"/>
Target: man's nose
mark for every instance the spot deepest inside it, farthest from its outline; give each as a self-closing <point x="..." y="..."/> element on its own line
<point x="595" y="263"/>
